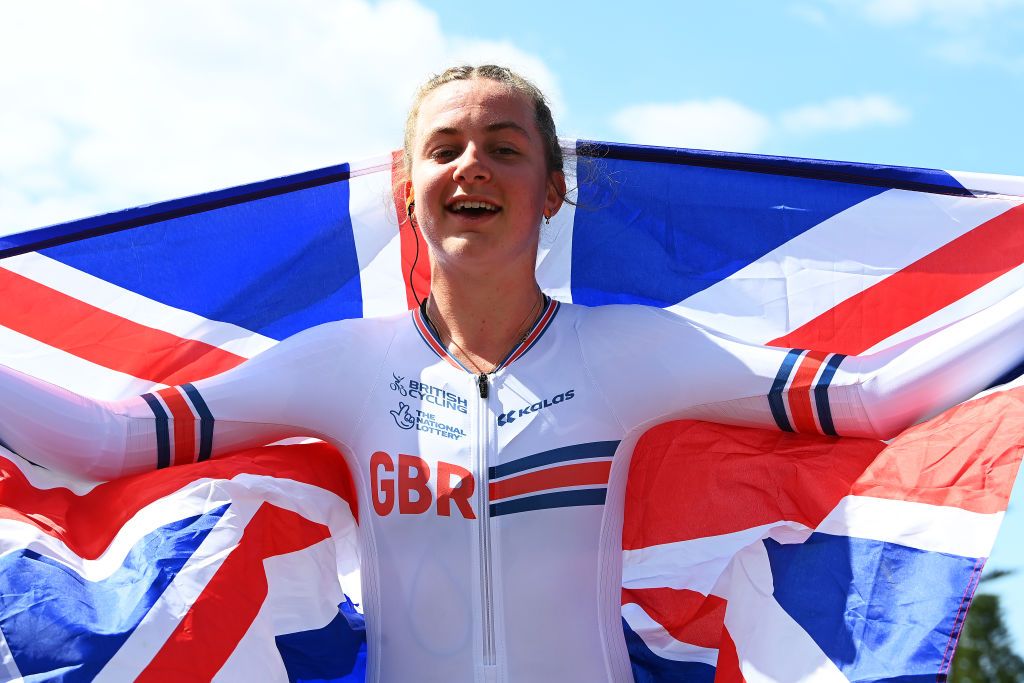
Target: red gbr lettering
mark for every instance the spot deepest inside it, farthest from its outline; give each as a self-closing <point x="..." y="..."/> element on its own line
<point x="409" y="483"/>
<point x="413" y="491"/>
<point x="459" y="493"/>
<point x="383" y="489"/>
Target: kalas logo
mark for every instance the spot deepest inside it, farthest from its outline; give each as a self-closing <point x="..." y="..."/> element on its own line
<point x="512" y="415"/>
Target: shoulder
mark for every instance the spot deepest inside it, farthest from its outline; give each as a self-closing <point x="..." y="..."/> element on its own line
<point x="355" y="335"/>
<point x="631" y="334"/>
<point x="623" y="318"/>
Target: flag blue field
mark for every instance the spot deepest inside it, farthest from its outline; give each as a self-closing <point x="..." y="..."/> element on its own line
<point x="857" y="557"/>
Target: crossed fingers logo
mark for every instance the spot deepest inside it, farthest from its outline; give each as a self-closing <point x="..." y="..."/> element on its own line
<point x="402" y="417"/>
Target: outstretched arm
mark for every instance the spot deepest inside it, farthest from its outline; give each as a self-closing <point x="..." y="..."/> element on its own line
<point x="662" y="367"/>
<point x="296" y="388"/>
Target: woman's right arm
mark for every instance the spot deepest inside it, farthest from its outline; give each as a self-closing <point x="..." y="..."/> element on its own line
<point x="298" y="388"/>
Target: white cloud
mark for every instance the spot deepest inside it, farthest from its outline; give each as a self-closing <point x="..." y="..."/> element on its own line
<point x="972" y="50"/>
<point x="472" y="51"/>
<point x="720" y="124"/>
<point x="966" y="33"/>
<point x="114" y="102"/>
<point x="844" y="113"/>
<point x="948" y="13"/>
<point x="723" y="124"/>
<point x="811" y="14"/>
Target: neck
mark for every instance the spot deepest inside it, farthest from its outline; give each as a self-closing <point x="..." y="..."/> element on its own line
<point x="481" y="318"/>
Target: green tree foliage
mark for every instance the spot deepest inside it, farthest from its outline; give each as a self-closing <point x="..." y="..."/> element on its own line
<point x="985" y="653"/>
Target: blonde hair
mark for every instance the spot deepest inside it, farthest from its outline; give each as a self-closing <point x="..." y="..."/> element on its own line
<point x="504" y="75"/>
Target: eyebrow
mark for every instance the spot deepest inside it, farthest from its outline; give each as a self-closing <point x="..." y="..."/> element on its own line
<point x="491" y="128"/>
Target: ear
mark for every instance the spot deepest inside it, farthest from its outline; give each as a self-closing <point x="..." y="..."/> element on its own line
<point x="410" y="194"/>
<point x="556" y="193"/>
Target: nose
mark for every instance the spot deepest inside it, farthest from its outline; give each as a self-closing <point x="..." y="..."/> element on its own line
<point x="472" y="166"/>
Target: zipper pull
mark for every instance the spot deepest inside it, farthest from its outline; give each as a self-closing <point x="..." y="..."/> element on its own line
<point x="481" y="383"/>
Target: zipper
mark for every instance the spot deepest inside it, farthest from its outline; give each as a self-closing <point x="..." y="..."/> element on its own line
<point x="483" y="503"/>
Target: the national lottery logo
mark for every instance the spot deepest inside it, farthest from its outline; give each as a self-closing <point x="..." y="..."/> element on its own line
<point x="426" y="393"/>
<point x="420" y="420"/>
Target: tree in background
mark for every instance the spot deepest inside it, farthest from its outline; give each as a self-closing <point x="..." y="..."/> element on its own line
<point x="985" y="653"/>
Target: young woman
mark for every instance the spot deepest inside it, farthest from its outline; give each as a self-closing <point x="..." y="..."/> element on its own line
<point x="489" y="430"/>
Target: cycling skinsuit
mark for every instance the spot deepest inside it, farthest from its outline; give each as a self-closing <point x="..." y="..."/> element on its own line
<point x="490" y="509"/>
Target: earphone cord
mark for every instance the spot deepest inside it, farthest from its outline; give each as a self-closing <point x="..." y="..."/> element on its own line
<point x="415" y="260"/>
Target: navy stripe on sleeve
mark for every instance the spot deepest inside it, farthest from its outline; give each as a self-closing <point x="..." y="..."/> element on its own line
<point x="775" y="394"/>
<point x="205" y="421"/>
<point x="544" y="501"/>
<point x="821" y="394"/>
<point x="163" y="434"/>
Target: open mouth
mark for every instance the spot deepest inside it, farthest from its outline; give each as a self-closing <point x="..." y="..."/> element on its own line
<point x="473" y="209"/>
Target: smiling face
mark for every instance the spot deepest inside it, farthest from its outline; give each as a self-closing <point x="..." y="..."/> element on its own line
<point x="480" y="177"/>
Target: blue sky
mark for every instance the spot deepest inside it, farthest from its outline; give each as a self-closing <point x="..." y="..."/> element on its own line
<point x="949" y="71"/>
<point x="115" y="103"/>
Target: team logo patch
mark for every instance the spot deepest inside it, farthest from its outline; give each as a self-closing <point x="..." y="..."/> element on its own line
<point x="420" y="391"/>
<point x="511" y="416"/>
<point x="420" y="420"/>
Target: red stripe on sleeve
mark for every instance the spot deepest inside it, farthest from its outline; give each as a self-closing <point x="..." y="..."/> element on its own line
<point x="928" y="285"/>
<point x="799" y="393"/>
<point x="184" y="425"/>
<point x="104" y="338"/>
<point x="577" y="474"/>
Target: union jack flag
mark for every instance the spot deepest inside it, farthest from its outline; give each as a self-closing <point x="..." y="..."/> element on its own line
<point x="757" y="556"/>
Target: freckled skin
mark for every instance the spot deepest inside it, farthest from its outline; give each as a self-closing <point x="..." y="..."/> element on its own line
<point x="458" y="153"/>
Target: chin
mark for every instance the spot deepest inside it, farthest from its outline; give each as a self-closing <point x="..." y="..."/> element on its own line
<point x="472" y="251"/>
<point x="465" y="249"/>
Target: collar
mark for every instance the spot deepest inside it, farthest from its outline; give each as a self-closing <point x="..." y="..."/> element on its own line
<point x="433" y="340"/>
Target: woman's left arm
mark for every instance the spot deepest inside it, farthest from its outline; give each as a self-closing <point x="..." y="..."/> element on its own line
<point x="656" y="366"/>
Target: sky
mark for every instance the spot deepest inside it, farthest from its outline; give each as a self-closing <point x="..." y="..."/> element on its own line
<point x="109" y="104"/>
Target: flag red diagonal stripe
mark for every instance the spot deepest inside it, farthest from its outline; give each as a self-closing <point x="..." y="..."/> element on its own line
<point x="928" y="285"/>
<point x="106" y="339"/>
<point x="728" y="669"/>
<point x="102" y="512"/>
<point x="224" y="611"/>
<point x="408" y="240"/>
<point x="740" y="474"/>
<point x="689" y="616"/>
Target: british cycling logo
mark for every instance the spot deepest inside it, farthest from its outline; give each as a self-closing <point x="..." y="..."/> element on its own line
<point x="424" y="422"/>
<point x="514" y="414"/>
<point x="429" y="394"/>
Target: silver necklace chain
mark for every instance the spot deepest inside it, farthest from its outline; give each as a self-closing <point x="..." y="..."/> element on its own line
<point x="524" y="330"/>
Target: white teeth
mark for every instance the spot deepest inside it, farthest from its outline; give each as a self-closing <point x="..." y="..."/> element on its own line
<point x="459" y="206"/>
